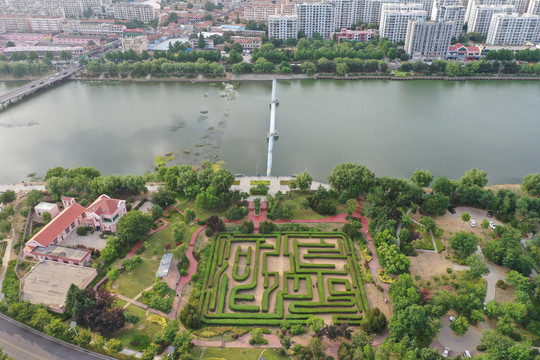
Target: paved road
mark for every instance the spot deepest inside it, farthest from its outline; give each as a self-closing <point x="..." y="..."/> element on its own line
<point x="23" y="343"/>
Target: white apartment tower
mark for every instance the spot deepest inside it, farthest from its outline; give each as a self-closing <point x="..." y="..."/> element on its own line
<point x="481" y="16"/>
<point x="395" y="19"/>
<point x="519" y="6"/>
<point x="534" y="7"/>
<point x="316" y="18"/>
<point x="283" y="26"/>
<point x="450" y="10"/>
<point x="128" y="11"/>
<point x="514" y="29"/>
<point x="428" y="39"/>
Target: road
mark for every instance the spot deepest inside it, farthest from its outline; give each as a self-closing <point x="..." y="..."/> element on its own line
<point x="23" y="343"/>
<point x="34" y="86"/>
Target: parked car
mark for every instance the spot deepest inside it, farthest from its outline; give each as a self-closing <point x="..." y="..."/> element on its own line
<point x="33" y="86"/>
<point x="445" y="352"/>
<point x="467" y="354"/>
<point x="492" y="225"/>
<point x="452" y="319"/>
<point x="473" y="223"/>
<point x="490" y="214"/>
<point x="452" y="210"/>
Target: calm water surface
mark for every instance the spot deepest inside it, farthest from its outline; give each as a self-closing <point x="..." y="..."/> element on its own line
<point x="392" y="127"/>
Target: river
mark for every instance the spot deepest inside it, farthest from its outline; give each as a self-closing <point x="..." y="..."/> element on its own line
<point x="393" y="127"/>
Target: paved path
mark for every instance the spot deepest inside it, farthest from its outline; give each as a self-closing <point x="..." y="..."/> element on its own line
<point x="24" y="343"/>
<point x="275" y="183"/>
<point x="492" y="278"/>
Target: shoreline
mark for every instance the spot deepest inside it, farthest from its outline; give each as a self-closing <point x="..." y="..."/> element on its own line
<point x="269" y="77"/>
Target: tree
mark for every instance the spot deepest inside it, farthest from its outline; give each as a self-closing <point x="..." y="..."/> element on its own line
<point x="163" y="197"/>
<point x="485" y="224"/>
<point x="133" y="226"/>
<point x="435" y="204"/>
<point x="4" y="356"/>
<point x="477" y="266"/>
<point x="464" y="243"/>
<point x="315" y="323"/>
<point x="303" y="181"/>
<point x="65" y="55"/>
<point x="83" y="338"/>
<point x="179" y="231"/>
<point x="308" y="68"/>
<point x="113" y="273"/>
<point x="444" y="186"/>
<point x="173" y="17"/>
<point x="114" y="346"/>
<point x="5" y="226"/>
<point x="33" y="198"/>
<point x="465" y="217"/>
<point x="460" y="325"/>
<point x="157" y="212"/>
<point x="256" y="336"/>
<point x="190" y="317"/>
<point x="475" y="177"/>
<point x="8" y="197"/>
<point x="189" y="214"/>
<point x="201" y="44"/>
<point x="376" y="322"/>
<point x="352" y="205"/>
<point x="531" y="184"/>
<point x="422" y="178"/>
<point x="352" y="179"/>
<point x="234" y="57"/>
<point x="111" y="251"/>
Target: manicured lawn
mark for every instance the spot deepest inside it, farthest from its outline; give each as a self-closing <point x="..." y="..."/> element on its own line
<point x="284" y="182"/>
<point x="240" y="354"/>
<point x="236" y="182"/>
<point x="440" y="245"/>
<point x="259" y="182"/>
<point x="201" y="214"/>
<point x="299" y="213"/>
<point x="142" y="327"/>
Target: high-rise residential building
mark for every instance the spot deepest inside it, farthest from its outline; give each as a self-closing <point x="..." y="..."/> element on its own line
<point x="450" y="10"/>
<point x="395" y="19"/>
<point x="345" y="13"/>
<point x="37" y="24"/>
<point x="261" y="10"/>
<point x="316" y="18"/>
<point x="428" y="39"/>
<point x="519" y="6"/>
<point x="534" y="7"/>
<point x="129" y="11"/>
<point x="92" y="28"/>
<point x="283" y="26"/>
<point x="481" y="16"/>
<point x="371" y="10"/>
<point x="514" y="29"/>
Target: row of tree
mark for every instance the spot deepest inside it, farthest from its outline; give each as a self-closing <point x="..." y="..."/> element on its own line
<point x="157" y="67"/>
<point x="455" y="68"/>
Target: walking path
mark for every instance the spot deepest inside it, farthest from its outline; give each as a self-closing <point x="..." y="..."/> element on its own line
<point x="139" y="244"/>
<point x="275" y="183"/>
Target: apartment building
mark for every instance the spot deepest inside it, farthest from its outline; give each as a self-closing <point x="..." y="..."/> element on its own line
<point x="92" y="28"/>
<point x="128" y="11"/>
<point x="29" y="24"/>
<point x="395" y="19"/>
<point x="371" y="10"/>
<point x="261" y="10"/>
<point x="428" y="39"/>
<point x="345" y="13"/>
<point x="283" y="26"/>
<point x="519" y="6"/>
<point x="316" y="18"/>
<point x="534" y="7"/>
<point x="481" y="16"/>
<point x="450" y="10"/>
<point x="514" y="29"/>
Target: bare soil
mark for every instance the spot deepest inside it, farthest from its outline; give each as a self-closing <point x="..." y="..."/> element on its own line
<point x="429" y="264"/>
<point x="504" y="296"/>
<point x="375" y="299"/>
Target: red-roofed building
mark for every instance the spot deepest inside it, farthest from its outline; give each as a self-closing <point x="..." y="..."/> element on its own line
<point x="103" y="214"/>
<point x="462" y="52"/>
<point x="58" y="229"/>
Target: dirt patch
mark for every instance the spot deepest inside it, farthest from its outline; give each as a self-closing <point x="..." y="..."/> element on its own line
<point x="511" y="187"/>
<point x="504" y="296"/>
<point x="375" y="299"/>
<point x="429" y="264"/>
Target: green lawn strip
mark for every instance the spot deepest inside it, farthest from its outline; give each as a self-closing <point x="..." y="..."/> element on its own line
<point x="259" y="182"/>
<point x="131" y="283"/>
<point x="240" y="354"/>
<point x="440" y="245"/>
<point x="144" y="326"/>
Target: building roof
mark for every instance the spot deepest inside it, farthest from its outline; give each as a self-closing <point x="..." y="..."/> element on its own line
<point x="67" y="198"/>
<point x="104" y="205"/>
<point x="45" y="206"/>
<point x="63" y="252"/>
<point x="48" y="282"/>
<point x="164" y="265"/>
<point x="62" y="221"/>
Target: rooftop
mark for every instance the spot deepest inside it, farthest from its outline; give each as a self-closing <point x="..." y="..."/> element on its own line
<point x="45" y="206"/>
<point x="62" y="252"/>
<point x="48" y="282"/>
<point x="104" y="205"/>
<point x="164" y="265"/>
<point x="51" y="231"/>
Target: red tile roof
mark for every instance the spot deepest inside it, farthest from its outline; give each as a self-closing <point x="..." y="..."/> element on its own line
<point x="103" y="206"/>
<point x="61" y="222"/>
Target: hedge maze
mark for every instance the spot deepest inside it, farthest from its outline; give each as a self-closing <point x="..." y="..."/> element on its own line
<point x="258" y="279"/>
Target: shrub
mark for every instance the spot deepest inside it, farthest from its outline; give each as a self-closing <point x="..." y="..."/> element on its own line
<point x="209" y="231"/>
<point x="140" y="342"/>
<point x="266" y="227"/>
<point x="156" y="319"/>
<point x="236" y="212"/>
<point x="131" y="318"/>
<point x="131" y="263"/>
<point x="298" y="329"/>
<point x="82" y="230"/>
<point x="260" y="189"/>
<point x="481" y="347"/>
<point x="500" y="284"/>
<point x="140" y="250"/>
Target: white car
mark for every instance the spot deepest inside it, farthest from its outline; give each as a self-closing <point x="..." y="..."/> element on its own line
<point x="473" y="223"/>
<point x="452" y="319"/>
<point x="467" y="354"/>
<point x="492" y="225"/>
<point x="445" y="352"/>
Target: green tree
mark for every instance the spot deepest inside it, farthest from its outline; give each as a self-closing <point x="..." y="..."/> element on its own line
<point x="157" y="212"/>
<point x="531" y="184"/>
<point x="352" y="205"/>
<point x="475" y="177"/>
<point x="303" y="182"/>
<point x="422" y="178"/>
<point x="234" y="57"/>
<point x="308" y="68"/>
<point x="5" y="226"/>
<point x="256" y="336"/>
<point x="201" y="44"/>
<point x="173" y="17"/>
<point x="133" y="226"/>
<point x="315" y="323"/>
<point x="477" y="266"/>
<point x="46" y="217"/>
<point x="179" y="231"/>
<point x="352" y="179"/>
<point x="65" y="55"/>
<point x="464" y="243"/>
<point x="435" y="204"/>
<point x="163" y="197"/>
<point x="189" y="214"/>
<point x="485" y="224"/>
<point x="113" y="273"/>
<point x="84" y="337"/>
<point x="33" y="198"/>
<point x="444" y="186"/>
<point x="460" y="325"/>
<point x="465" y="217"/>
<point x="8" y="197"/>
<point x="114" y="346"/>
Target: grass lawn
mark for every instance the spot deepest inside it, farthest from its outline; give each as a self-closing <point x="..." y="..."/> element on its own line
<point x="236" y="182"/>
<point x="298" y="213"/>
<point x="201" y="214"/>
<point x="241" y="354"/>
<point x="284" y="182"/>
<point x="144" y="326"/>
<point x="423" y="243"/>
<point x="131" y="283"/>
<point x="440" y="245"/>
<point x="259" y="182"/>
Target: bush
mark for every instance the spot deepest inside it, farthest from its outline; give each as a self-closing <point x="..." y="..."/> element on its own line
<point x="260" y="189"/>
<point x="298" y="329"/>
<point x="236" y="212"/>
<point x="131" y="318"/>
<point x="266" y="227"/>
<point x="140" y="250"/>
<point x="131" y="263"/>
<point x="140" y="342"/>
<point x="209" y="231"/>
<point x="481" y="347"/>
<point x="500" y="284"/>
<point x="82" y="230"/>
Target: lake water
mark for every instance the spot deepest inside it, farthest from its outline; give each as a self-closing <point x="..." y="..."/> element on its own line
<point x="393" y="127"/>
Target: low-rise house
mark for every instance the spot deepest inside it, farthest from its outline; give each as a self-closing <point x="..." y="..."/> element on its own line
<point x="462" y="52"/>
<point x="63" y="254"/>
<point x="44" y="207"/>
<point x="248" y="43"/>
<point x="355" y="35"/>
<point x="103" y="214"/>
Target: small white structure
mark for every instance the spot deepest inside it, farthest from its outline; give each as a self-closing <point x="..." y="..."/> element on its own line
<point x="164" y="266"/>
<point x="44" y="207"/>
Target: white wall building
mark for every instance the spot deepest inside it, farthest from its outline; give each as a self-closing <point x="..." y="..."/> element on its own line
<point x="283" y="26"/>
<point x="92" y="28"/>
<point x="371" y="10"/>
<point x="428" y="39"/>
<point x="316" y="18"/>
<point x="395" y="19"/>
<point x="450" y="10"/>
<point x="128" y="11"/>
<point x="534" y="7"/>
<point x="514" y="29"/>
<point x="481" y="16"/>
